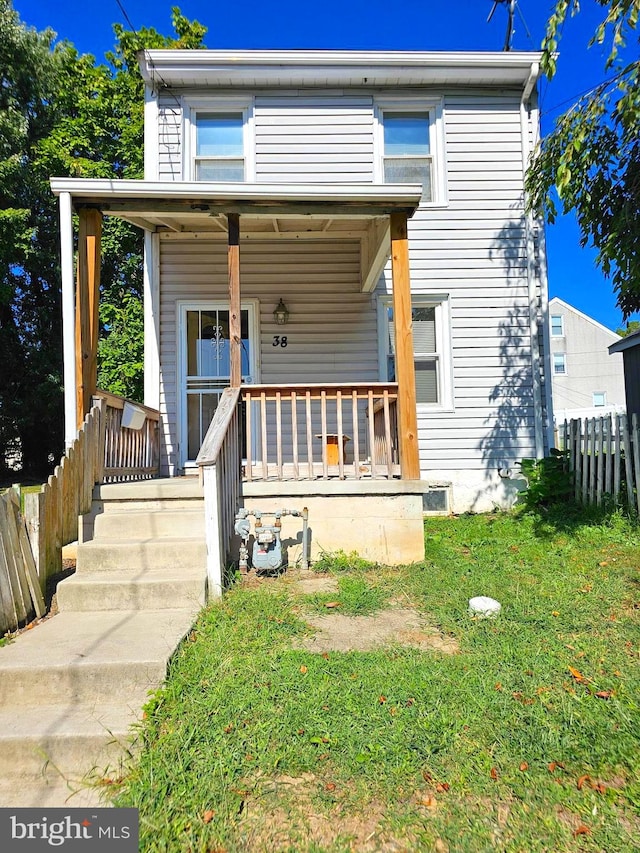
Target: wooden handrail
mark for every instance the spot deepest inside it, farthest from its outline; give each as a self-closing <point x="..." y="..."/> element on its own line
<point x="213" y="440"/>
<point x="117" y="402"/>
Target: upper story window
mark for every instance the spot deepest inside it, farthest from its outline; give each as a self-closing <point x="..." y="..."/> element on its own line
<point x="599" y="398"/>
<point x="557" y="325"/>
<point x="218" y="139"/>
<point x="431" y="348"/>
<point x="410" y="142"/>
<point x="219" y="147"/>
<point x="407" y="155"/>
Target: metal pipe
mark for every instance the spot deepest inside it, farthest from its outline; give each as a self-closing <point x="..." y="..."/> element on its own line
<point x="305" y="538"/>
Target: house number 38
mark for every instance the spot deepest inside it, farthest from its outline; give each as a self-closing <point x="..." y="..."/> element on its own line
<point x="279" y="341"/>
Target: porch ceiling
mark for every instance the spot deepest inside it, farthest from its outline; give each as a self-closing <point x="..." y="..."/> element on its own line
<point x="267" y="212"/>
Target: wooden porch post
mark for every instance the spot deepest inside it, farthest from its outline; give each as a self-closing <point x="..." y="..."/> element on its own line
<point x="87" y="296"/>
<point x="235" y="334"/>
<point x="405" y="365"/>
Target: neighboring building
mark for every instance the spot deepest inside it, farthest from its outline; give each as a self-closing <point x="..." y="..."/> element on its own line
<point x="324" y="156"/>
<point x="629" y="348"/>
<point x="586" y="381"/>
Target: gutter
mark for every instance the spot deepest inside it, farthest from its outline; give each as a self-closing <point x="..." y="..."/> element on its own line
<point x="537" y="308"/>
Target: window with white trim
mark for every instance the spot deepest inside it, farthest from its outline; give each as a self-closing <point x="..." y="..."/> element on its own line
<point x="557" y="325"/>
<point x="559" y="363"/>
<point x="219" y="154"/>
<point x="218" y="139"/>
<point x="599" y="399"/>
<point x="410" y="142"/>
<point x="431" y="347"/>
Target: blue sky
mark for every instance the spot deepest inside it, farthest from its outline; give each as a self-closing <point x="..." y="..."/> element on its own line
<point x="380" y="25"/>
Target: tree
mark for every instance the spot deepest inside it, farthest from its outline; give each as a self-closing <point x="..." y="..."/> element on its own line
<point x="63" y="114"/>
<point x="631" y="327"/>
<point x="30" y="346"/>
<point x="591" y="160"/>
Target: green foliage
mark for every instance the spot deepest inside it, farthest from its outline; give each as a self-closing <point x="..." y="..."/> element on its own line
<point x="121" y="351"/>
<point x="549" y="480"/>
<point x="591" y="160"/>
<point x="631" y="327"/>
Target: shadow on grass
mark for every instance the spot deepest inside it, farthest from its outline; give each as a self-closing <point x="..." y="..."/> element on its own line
<point x="571" y="517"/>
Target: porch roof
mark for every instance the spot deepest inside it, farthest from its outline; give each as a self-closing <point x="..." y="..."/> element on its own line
<point x="268" y="211"/>
<point x="140" y="199"/>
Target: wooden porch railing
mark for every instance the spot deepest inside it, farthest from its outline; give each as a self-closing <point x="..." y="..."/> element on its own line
<point x="305" y="432"/>
<point x="219" y="462"/>
<point x="129" y="454"/>
<point x="103" y="451"/>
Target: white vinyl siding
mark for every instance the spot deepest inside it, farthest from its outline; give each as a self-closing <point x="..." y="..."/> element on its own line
<point x="332" y="328"/>
<point x="473" y="249"/>
<point x="314" y="140"/>
<point x="169" y="137"/>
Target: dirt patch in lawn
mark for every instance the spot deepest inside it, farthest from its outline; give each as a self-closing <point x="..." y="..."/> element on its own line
<point x="281" y="813"/>
<point x="337" y="632"/>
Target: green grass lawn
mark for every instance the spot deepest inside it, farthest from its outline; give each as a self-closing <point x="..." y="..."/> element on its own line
<point x="526" y="740"/>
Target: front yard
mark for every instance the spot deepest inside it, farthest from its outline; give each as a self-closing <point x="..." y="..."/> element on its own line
<point x="514" y="734"/>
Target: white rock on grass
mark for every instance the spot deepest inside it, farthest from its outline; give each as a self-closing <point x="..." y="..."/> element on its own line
<point x="484" y="607"/>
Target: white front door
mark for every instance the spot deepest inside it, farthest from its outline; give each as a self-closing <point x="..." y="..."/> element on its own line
<point x="204" y="366"/>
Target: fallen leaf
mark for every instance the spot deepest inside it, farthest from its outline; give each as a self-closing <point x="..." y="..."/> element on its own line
<point x="442" y="787"/>
<point x="249" y="757"/>
<point x="498" y="686"/>
<point x="323" y="757"/>
<point x="393" y="711"/>
<point x="228" y="728"/>
<point x="410" y="701"/>
<point x="429" y="802"/>
<point x="330" y="604"/>
<point x="555" y="612"/>
<point x="586" y="588"/>
<point x="303" y="669"/>
<point x="576" y="674"/>
<point x="604" y="694"/>
<point x="494" y="773"/>
<point x="582" y="830"/>
<point x="603" y="563"/>
<point x="600" y="787"/>
<point x="524" y="766"/>
<point x="554" y="765"/>
<point x="325" y="655"/>
<point x="427" y="776"/>
<point x="382" y="700"/>
<point x="330" y="786"/>
<point x="300" y="731"/>
<point x="208" y="816"/>
<point x="584" y="780"/>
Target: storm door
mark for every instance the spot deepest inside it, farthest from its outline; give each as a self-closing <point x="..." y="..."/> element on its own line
<point x="205" y="367"/>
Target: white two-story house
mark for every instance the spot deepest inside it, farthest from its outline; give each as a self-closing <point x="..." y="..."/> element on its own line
<point x="343" y="237"/>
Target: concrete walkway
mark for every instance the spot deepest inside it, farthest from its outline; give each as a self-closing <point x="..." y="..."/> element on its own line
<point x="71" y="688"/>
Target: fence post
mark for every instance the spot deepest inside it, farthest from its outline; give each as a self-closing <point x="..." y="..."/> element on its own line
<point x="636" y="458"/>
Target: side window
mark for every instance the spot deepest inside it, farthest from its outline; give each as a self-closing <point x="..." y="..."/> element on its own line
<point x="219" y="147"/>
<point x="407" y="157"/>
<point x="557" y="325"/>
<point x="559" y="363"/>
<point x="431" y="350"/>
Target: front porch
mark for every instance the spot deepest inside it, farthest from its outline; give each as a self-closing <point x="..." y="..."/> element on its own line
<point x="350" y="446"/>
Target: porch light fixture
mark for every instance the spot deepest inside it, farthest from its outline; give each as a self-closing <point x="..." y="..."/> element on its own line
<point x="281" y="314"/>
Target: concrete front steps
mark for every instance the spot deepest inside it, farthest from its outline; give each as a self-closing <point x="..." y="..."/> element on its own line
<point x="71" y="688"/>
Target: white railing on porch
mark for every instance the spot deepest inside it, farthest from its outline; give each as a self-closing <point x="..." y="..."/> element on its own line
<point x="220" y="463"/>
<point x="306" y="432"/>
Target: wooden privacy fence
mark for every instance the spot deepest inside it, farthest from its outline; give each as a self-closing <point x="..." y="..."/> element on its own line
<point x="220" y="463"/>
<point x="305" y="432"/>
<point x="604" y="456"/>
<point x="21" y="596"/>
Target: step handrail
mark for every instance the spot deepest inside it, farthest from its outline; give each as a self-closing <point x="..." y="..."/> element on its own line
<point x="220" y="465"/>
